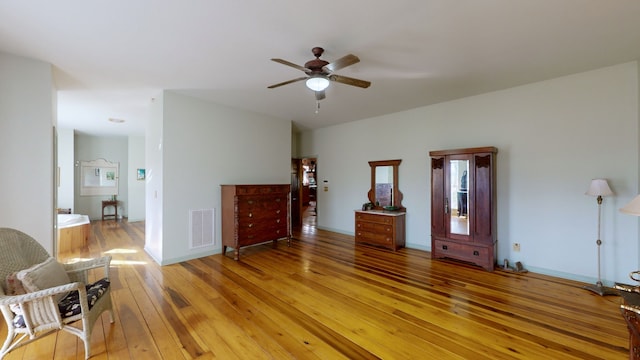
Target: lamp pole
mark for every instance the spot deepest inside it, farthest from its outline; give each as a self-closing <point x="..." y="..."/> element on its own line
<point x="600" y="189"/>
<point x="598" y="241"/>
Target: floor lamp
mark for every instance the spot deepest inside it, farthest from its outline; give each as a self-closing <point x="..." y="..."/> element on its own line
<point x="599" y="188"/>
<point x="633" y="207"/>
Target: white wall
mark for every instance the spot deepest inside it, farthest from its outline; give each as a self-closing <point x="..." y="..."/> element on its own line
<point x="110" y="148"/>
<point x="553" y="137"/>
<point x="66" y="168"/>
<point x="136" y="188"/>
<point x="201" y="146"/>
<point x="27" y="117"/>
<point x="154" y="180"/>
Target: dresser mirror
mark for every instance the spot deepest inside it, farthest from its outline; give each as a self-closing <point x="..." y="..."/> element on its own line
<point x="384" y="192"/>
<point x="459" y="181"/>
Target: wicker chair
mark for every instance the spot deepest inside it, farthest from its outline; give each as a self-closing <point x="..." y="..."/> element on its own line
<point x="39" y="312"/>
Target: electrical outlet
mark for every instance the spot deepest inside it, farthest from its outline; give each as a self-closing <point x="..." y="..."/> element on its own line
<point x="516" y="246"/>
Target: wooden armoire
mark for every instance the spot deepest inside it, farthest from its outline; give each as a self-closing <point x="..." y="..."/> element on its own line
<point x="463" y="205"/>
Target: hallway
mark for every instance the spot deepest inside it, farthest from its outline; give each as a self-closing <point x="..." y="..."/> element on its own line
<point x="309" y="218"/>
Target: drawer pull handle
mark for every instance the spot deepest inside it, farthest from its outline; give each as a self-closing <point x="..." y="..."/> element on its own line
<point x="251" y="225"/>
<point x="476" y="253"/>
<point x="250" y="202"/>
<point x="444" y="247"/>
<point x="278" y="199"/>
<point x="278" y="221"/>
<point x="250" y="215"/>
<point x="278" y="212"/>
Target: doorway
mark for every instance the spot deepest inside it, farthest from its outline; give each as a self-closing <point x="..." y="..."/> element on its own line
<point x="309" y="192"/>
<point x="304" y="194"/>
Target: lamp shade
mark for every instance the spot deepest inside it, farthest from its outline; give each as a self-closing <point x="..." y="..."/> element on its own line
<point x="633" y="207"/>
<point x="317" y="83"/>
<point x="599" y="187"/>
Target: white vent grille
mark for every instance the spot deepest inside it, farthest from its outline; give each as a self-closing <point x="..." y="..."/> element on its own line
<point x="201" y="223"/>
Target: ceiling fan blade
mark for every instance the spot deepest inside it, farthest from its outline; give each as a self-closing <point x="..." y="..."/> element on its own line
<point x="350" y="81"/>
<point x="343" y="62"/>
<point x="285" y="62"/>
<point x="286" y="82"/>
<point x="320" y="95"/>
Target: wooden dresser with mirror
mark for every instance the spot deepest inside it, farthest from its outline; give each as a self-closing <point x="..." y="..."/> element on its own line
<point x="383" y="224"/>
<point x="463" y="205"/>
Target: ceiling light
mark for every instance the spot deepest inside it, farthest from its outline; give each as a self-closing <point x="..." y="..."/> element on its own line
<point x="317" y="83"/>
<point x="117" y="121"/>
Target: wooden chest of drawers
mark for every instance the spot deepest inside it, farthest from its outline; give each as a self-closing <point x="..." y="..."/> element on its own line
<point x="253" y="214"/>
<point x="380" y="228"/>
<point x="477" y="253"/>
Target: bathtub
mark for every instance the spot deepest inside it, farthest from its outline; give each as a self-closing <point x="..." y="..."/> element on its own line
<point x="73" y="232"/>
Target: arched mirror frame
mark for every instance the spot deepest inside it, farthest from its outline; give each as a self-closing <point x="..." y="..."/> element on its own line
<point x="397" y="194"/>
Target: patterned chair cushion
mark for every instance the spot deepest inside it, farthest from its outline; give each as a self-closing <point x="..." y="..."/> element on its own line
<point x="70" y="304"/>
<point x="13" y="285"/>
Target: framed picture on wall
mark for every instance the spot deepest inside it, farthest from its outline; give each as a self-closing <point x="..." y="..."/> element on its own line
<point x="140" y="174"/>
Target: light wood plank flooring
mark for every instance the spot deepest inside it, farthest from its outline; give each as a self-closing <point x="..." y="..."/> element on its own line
<point x="325" y="298"/>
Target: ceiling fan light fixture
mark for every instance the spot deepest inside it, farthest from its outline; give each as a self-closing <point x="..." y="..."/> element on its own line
<point x="317" y="83"/>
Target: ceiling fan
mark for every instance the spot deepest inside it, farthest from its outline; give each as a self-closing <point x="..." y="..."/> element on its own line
<point x="320" y="73"/>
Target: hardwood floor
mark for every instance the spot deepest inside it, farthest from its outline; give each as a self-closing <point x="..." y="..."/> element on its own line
<point x="325" y="298"/>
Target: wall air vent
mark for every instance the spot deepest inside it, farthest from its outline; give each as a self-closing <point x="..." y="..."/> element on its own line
<point x="201" y="225"/>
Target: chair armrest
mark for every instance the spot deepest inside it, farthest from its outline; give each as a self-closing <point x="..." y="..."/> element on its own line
<point x="40" y="294"/>
<point x="39" y="309"/>
<point x="78" y="271"/>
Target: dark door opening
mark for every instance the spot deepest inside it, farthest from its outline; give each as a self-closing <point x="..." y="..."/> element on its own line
<point x="304" y="199"/>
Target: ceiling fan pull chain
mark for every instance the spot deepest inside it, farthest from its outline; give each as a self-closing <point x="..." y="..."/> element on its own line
<point x="317" y="106"/>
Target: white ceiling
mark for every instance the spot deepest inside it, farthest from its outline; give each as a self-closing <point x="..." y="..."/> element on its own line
<point x="111" y="58"/>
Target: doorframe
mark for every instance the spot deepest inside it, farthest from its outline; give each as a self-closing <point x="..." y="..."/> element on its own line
<point x="301" y="177"/>
<point x="296" y="198"/>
